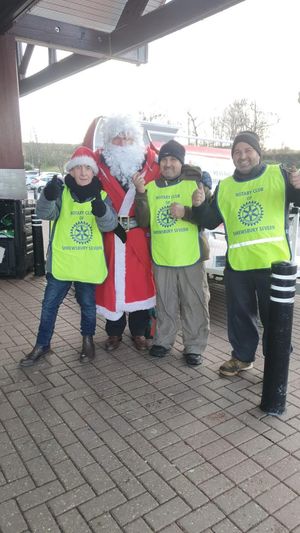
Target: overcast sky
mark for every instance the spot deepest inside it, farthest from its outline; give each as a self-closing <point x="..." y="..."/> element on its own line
<point x="248" y="51"/>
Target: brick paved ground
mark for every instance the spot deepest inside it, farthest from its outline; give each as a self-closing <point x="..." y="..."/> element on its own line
<point x="132" y="444"/>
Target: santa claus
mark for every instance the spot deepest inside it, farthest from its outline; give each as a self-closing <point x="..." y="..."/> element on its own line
<point x="129" y="288"/>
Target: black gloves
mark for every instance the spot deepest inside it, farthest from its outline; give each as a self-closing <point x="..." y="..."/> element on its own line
<point x="53" y="188"/>
<point x="121" y="233"/>
<point x="98" y="207"/>
<point x="95" y="187"/>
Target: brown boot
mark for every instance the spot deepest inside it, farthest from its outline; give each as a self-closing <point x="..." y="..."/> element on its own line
<point x="140" y="343"/>
<point x="88" y="349"/>
<point x="112" y="343"/>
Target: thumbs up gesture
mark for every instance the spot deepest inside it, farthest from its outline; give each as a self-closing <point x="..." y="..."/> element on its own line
<point x="198" y="196"/>
<point x="294" y="177"/>
<point x="139" y="181"/>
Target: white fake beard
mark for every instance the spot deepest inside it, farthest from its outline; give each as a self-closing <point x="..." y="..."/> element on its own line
<point x="124" y="161"/>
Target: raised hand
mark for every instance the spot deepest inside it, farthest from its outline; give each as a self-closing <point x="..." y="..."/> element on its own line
<point x="198" y="196"/>
<point x="139" y="182"/>
<point x="53" y="188"/>
<point x="294" y="177"/>
<point x="177" y="210"/>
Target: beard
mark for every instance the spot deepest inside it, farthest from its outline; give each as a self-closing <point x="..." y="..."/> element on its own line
<point x="124" y="161"/>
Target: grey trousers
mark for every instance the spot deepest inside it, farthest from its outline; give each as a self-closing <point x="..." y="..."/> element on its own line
<point x="182" y="292"/>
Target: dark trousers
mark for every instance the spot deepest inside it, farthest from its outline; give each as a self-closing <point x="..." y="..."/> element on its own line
<point x="247" y="293"/>
<point x="137" y="323"/>
<point x="55" y="292"/>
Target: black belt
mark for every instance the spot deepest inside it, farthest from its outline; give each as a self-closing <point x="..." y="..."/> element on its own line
<point x="127" y="222"/>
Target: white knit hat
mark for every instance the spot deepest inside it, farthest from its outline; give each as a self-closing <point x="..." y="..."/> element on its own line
<point x="83" y="156"/>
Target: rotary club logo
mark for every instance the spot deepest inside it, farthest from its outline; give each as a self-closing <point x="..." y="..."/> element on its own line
<point x="81" y="232"/>
<point x="250" y="213"/>
<point x="164" y="217"/>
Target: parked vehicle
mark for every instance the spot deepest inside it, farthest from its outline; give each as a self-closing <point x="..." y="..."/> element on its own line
<point x="30" y="175"/>
<point x="39" y="182"/>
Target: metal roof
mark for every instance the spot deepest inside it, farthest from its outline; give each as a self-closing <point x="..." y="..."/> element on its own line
<point x="93" y="31"/>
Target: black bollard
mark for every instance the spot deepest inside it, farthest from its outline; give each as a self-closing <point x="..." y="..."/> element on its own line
<point x="278" y="345"/>
<point x="38" y="246"/>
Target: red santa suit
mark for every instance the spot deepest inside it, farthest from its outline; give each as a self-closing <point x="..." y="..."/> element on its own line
<point x="129" y="285"/>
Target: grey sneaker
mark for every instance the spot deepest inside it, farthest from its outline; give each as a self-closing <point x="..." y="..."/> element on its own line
<point x="233" y="367"/>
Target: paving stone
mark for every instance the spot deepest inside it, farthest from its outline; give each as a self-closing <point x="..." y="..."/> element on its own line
<point x="68" y="474"/>
<point x="162" y="466"/>
<point x="105" y="524"/>
<point x="201" y="473"/>
<point x="289" y="515"/>
<point x="248" y="516"/>
<point x="15" y="488"/>
<point x="97" y="478"/>
<point x="53" y="452"/>
<point x="11" y="519"/>
<point x="201" y="519"/>
<point x="6" y="445"/>
<point x="134" y="508"/>
<point x="40" y="495"/>
<point x="133" y="461"/>
<point x="79" y="455"/>
<point x="138" y="526"/>
<point x="243" y="471"/>
<point x="40" y="471"/>
<point x="285" y="468"/>
<point x="226" y="526"/>
<point x="12" y="467"/>
<point x="188" y="492"/>
<point x="270" y="525"/>
<point x="161" y="490"/>
<point x="275" y="498"/>
<point x="106" y="458"/>
<point x="258" y="483"/>
<point x="231" y="500"/>
<point x="167" y="513"/>
<point x="102" y="504"/>
<point x="71" y="499"/>
<point x="215" y="486"/>
<point x="40" y="520"/>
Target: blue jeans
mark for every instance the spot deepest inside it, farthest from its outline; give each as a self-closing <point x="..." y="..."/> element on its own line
<point x="55" y="292"/>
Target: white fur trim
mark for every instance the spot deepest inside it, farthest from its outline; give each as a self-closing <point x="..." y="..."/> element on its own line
<point x="82" y="160"/>
<point x="129" y="308"/>
<point x="120" y="273"/>
<point x="109" y="315"/>
<point x="127" y="201"/>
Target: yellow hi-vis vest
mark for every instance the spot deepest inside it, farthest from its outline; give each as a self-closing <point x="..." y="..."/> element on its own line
<point x="174" y="243"/>
<point x="254" y="216"/>
<point x="77" y="245"/>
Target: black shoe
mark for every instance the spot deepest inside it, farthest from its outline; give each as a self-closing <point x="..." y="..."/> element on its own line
<point x="88" y="349"/>
<point x="193" y="359"/>
<point x="34" y="356"/>
<point x="158" y="351"/>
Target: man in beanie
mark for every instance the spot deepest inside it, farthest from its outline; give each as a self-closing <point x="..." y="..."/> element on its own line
<point x="253" y="206"/>
<point x="129" y="288"/>
<point x="177" y="253"/>
<point x="79" y="212"/>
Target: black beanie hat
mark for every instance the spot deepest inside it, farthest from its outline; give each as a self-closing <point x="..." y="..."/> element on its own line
<point x="249" y="137"/>
<point x="172" y="148"/>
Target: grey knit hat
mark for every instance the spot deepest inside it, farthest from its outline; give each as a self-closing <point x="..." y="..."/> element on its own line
<point x="249" y="137"/>
<point x="173" y="149"/>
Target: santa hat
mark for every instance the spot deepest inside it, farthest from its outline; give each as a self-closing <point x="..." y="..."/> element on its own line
<point x="83" y="156"/>
<point x="122" y="125"/>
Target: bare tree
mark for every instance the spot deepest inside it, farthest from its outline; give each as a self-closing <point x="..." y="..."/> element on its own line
<point x="242" y="115"/>
<point x="153" y="117"/>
